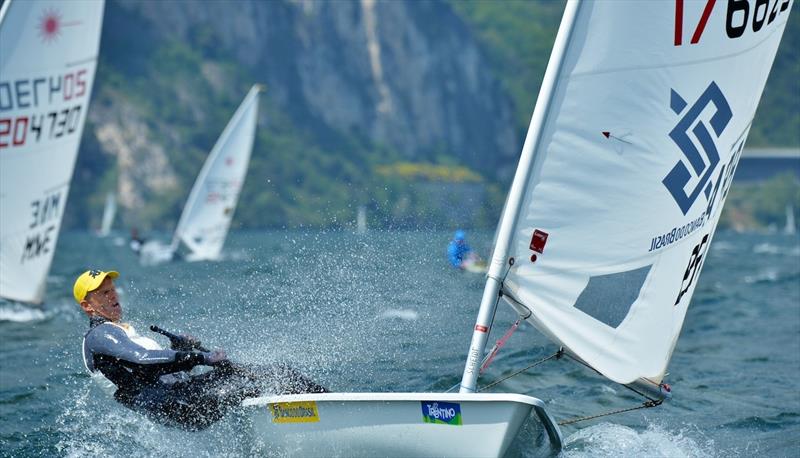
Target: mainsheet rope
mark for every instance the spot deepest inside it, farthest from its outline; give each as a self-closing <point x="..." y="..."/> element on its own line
<point x="647" y="404"/>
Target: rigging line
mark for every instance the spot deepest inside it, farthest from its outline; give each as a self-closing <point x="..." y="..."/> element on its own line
<point x="645" y="405"/>
<point x="500" y="343"/>
<point x="556" y="355"/>
<point x="639" y="393"/>
<point x="499" y="295"/>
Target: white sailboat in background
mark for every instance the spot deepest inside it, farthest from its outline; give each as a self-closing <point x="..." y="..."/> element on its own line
<point x="791" y="227"/>
<point x="48" y="56"/>
<point x="109" y="211"/>
<point x="361" y="220"/>
<point x="637" y="131"/>
<point x="208" y="212"/>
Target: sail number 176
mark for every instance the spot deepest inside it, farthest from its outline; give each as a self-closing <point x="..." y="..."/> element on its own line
<point x="739" y="15"/>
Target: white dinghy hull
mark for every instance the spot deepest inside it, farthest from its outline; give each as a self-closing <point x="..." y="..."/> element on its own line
<point x="397" y="424"/>
<point x="154" y="252"/>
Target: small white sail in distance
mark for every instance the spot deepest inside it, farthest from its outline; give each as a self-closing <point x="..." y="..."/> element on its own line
<point x="109" y="211"/>
<point x="632" y="147"/>
<point x="48" y="56"/>
<point x="208" y="212"/>
<point x="790" y="228"/>
<point x="361" y="220"/>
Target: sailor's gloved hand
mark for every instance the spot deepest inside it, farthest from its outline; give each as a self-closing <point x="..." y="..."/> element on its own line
<point x="216" y="357"/>
<point x="184" y="342"/>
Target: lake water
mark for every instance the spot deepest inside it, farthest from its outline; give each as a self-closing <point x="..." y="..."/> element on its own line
<point x="384" y="312"/>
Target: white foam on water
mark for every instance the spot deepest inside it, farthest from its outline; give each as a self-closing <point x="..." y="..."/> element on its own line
<point x="92" y="423"/>
<point x="766" y="276"/>
<point x="612" y="440"/>
<point x="722" y="245"/>
<point x="236" y="255"/>
<point x="18" y="313"/>
<point x="399" y="314"/>
<point x="768" y="248"/>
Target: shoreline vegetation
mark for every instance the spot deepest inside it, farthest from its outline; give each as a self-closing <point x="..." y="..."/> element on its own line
<point x="761" y="206"/>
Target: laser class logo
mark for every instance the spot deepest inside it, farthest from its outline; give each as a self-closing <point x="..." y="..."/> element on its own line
<point x="701" y="163"/>
<point x="50" y="25"/>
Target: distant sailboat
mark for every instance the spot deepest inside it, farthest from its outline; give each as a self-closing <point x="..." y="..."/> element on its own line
<point x="638" y="128"/>
<point x="208" y="212"/>
<point x="790" y="228"/>
<point x="109" y="211"/>
<point x="48" y="56"/>
<point x="361" y="220"/>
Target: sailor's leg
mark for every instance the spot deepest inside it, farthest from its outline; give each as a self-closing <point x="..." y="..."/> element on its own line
<point x="182" y="404"/>
<point x="293" y="382"/>
<point x="280" y="378"/>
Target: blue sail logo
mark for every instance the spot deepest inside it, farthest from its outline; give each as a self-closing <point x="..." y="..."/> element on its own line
<point x="701" y="163"/>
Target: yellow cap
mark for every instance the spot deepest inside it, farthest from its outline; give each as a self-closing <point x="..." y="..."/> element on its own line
<point x="89" y="281"/>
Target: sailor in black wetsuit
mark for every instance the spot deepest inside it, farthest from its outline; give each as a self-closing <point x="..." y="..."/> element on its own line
<point x="155" y="381"/>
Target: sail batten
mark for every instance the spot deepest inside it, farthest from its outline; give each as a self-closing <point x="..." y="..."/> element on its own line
<point x="634" y="149"/>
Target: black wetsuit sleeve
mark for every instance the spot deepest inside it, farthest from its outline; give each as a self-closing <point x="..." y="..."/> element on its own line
<point x="112" y="345"/>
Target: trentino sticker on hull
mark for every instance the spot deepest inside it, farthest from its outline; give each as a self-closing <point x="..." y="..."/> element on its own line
<point x="294" y="412"/>
<point x="443" y="413"/>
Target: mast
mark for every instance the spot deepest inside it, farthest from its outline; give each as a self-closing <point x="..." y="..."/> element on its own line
<point x="516" y="195"/>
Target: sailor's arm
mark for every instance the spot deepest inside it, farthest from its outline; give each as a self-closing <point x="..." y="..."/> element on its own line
<point x="111" y="341"/>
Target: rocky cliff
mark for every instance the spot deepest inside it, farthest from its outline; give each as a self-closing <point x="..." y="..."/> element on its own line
<point x="358" y="82"/>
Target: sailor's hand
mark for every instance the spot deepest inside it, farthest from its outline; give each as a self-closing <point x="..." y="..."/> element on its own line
<point x="216" y="357"/>
<point x="190" y="340"/>
<point x="184" y="342"/>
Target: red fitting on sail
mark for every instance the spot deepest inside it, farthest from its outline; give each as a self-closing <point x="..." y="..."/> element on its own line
<point x="538" y="241"/>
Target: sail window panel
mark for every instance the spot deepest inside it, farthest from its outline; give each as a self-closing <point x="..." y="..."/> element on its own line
<point x="608" y="298"/>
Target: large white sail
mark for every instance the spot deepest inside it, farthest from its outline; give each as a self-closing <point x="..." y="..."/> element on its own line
<point x="109" y="211"/>
<point x="630" y="154"/>
<point x="207" y="215"/>
<point x="48" y="55"/>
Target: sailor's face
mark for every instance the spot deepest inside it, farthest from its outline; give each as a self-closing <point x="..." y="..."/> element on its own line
<point x="104" y="301"/>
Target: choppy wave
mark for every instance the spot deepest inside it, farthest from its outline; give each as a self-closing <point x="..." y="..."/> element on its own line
<point x="399" y="314"/>
<point x="368" y="323"/>
<point x="775" y="249"/>
<point x="771" y="276"/>
<point x="766" y="276"/>
<point x="17" y="313"/>
<point x="236" y="255"/>
<point x="722" y="246"/>
<point x="612" y="440"/>
<point x="768" y="248"/>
